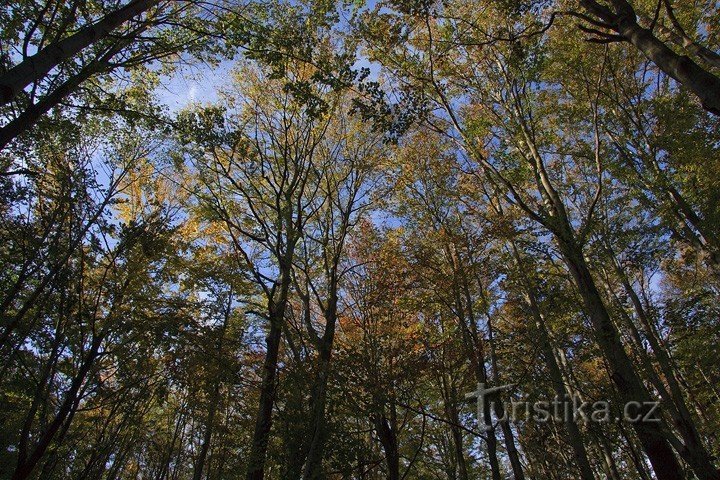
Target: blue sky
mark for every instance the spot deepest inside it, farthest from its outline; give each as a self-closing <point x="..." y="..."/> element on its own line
<point x="198" y="83"/>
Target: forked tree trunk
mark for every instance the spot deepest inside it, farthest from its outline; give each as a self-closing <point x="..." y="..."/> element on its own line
<point x="313" y="465"/>
<point x="703" y="84"/>
<point x="388" y="439"/>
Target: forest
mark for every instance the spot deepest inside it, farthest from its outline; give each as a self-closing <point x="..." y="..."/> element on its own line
<point x="359" y="240"/>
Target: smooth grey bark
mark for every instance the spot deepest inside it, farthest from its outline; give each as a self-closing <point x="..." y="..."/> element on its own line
<point x="35" y="67"/>
<point x="623" y="20"/>
<point x="681" y="39"/>
<point x="30" y="116"/>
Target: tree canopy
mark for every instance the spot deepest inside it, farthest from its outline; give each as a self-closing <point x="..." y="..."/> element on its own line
<point x="302" y="265"/>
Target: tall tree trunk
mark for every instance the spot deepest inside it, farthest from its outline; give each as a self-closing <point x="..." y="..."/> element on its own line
<point x="30" y="116"/>
<point x="630" y="387"/>
<point x="693" y="451"/>
<point x="324" y="344"/>
<point x="450" y="398"/>
<point x="215" y="395"/>
<point x="475" y="352"/>
<point x="207" y="435"/>
<point x="388" y="439"/>
<point x="26" y="464"/>
<point x="313" y="464"/>
<point x="608" y="461"/>
<point x="263" y="420"/>
<point x="655" y="440"/>
<point x="35" y="67"/>
<point x="574" y="435"/>
<point x="277" y="304"/>
<point x="508" y="435"/>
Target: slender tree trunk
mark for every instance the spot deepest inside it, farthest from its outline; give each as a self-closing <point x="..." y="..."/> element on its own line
<point x="574" y="435"/>
<point x="313" y="465"/>
<point x="508" y="434"/>
<point x="215" y="396"/>
<point x="263" y="419"/>
<point x="654" y="438"/>
<point x="63" y="417"/>
<point x="207" y="436"/>
<point x="475" y="352"/>
<point x="608" y="461"/>
<point x="35" y="67"/>
<point x="450" y="398"/>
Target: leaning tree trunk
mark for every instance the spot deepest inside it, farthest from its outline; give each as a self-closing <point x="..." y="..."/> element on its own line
<point x="574" y="435"/>
<point x="35" y="67"/>
<point x="27" y="463"/>
<point x="694" y="452"/>
<point x="30" y="116"/>
<point x="653" y="438"/>
<point x="703" y="84"/>
<point x="631" y="389"/>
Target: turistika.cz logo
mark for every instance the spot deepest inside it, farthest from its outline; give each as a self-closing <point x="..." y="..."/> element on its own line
<point x="559" y="409"/>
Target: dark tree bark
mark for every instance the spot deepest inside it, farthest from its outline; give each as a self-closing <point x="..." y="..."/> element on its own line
<point x="508" y="435"/>
<point x="313" y="464"/>
<point x="450" y="398"/>
<point x="654" y="438"/>
<point x="199" y="466"/>
<point x="622" y="373"/>
<point x="388" y="439"/>
<point x="693" y="450"/>
<point x="263" y="419"/>
<point x="475" y="351"/>
<point x="28" y="462"/>
<point x="573" y="432"/>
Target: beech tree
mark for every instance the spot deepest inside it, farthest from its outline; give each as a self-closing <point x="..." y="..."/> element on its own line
<point x="306" y="267"/>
